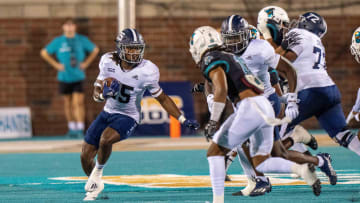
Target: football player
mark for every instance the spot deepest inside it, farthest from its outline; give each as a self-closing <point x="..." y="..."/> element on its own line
<point x="253" y="119"/>
<point x="131" y="77"/>
<point x="259" y="56"/>
<point x="273" y="23"/>
<point x="355" y="51"/>
<point x="318" y="94"/>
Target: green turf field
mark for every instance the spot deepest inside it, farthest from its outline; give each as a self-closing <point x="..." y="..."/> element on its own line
<point x="35" y="178"/>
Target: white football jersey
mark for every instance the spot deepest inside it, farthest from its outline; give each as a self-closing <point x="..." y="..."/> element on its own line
<point x="133" y="84"/>
<point x="310" y="63"/>
<point x="258" y="57"/>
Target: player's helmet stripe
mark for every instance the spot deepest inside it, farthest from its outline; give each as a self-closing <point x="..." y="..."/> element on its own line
<point x="230" y="22"/>
<point x="134" y="35"/>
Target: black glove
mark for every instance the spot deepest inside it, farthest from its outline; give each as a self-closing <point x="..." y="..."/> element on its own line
<point x="198" y="87"/>
<point x="210" y="130"/>
<point x="290" y="40"/>
<point x="192" y="124"/>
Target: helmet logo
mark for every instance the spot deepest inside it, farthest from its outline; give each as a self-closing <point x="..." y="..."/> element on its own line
<point x="211" y="38"/>
<point x="357" y="37"/>
<point x="314" y="18"/>
<point x="253" y="33"/>
<point x="270" y="12"/>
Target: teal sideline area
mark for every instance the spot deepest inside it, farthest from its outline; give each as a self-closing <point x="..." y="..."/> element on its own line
<point x="27" y="178"/>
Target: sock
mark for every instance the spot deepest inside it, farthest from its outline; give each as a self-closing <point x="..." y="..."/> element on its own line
<point x="275" y="165"/>
<point x="355" y="145"/>
<point x="98" y="166"/>
<point x="217" y="175"/>
<point x="321" y="161"/>
<point x="72" y="125"/>
<point x="80" y="126"/>
<point x="245" y="163"/>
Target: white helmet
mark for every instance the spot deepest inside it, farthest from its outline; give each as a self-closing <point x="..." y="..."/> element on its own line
<point x="355" y="45"/>
<point x="203" y="39"/>
<point x="274" y="13"/>
<point x="254" y="33"/>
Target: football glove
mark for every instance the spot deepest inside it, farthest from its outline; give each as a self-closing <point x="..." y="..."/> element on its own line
<point x="111" y="91"/>
<point x="198" y="87"/>
<point x="292" y="109"/>
<point x="210" y="130"/>
<point x="192" y="124"/>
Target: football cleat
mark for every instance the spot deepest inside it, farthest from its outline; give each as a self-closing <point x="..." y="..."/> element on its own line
<point x="247" y="190"/>
<point x="94" y="185"/>
<point x="309" y="176"/>
<point x="261" y="187"/>
<point x="327" y="168"/>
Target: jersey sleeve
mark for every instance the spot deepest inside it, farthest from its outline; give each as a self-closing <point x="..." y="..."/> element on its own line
<point x="298" y="49"/>
<point x="105" y="59"/>
<point x="152" y="80"/>
<point x="211" y="61"/>
<point x="356" y="107"/>
<point x="53" y="46"/>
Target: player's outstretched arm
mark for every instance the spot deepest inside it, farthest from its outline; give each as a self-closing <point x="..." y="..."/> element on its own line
<point x="168" y="104"/>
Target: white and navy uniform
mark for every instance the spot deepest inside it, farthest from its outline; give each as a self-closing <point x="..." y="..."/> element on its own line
<point x="259" y="56"/>
<point x="246" y="122"/>
<point x="317" y="93"/>
<point x="122" y="113"/>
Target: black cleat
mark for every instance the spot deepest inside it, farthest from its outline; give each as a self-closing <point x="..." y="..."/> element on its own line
<point x="316" y="187"/>
<point x="227" y="178"/>
<point x="313" y="143"/>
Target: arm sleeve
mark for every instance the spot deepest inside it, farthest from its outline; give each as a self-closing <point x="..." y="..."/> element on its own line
<point x="88" y="45"/>
<point x="102" y="66"/>
<point x="152" y="83"/>
<point x="356" y="107"/>
<point x="52" y="47"/>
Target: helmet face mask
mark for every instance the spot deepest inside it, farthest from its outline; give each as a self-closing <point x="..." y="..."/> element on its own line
<point x="130" y="46"/>
<point x="236" y="42"/>
<point x="235" y="33"/>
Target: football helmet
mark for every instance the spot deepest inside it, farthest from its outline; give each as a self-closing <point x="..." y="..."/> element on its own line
<point x="130" y="46"/>
<point x="254" y="32"/>
<point x="203" y="39"/>
<point x="355" y="45"/>
<point x="235" y="33"/>
<point x="312" y="22"/>
<point x="272" y="22"/>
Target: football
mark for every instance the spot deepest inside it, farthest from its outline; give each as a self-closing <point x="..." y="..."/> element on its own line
<point x="108" y="81"/>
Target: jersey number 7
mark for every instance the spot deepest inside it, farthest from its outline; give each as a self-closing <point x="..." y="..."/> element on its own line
<point x="320" y="58"/>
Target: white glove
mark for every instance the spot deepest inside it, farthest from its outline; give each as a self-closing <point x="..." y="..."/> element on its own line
<point x="292" y="109"/>
<point x="264" y="30"/>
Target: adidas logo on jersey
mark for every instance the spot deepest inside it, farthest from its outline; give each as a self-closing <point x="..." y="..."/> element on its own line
<point x="136" y="77"/>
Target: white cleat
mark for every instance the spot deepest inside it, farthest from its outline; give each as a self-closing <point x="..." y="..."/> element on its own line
<point x="248" y="189"/>
<point x="94" y="185"/>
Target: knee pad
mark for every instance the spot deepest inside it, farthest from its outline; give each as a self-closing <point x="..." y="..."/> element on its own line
<point x="345" y="137"/>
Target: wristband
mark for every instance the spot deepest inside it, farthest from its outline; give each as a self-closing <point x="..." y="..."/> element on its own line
<point x="216" y="110"/>
<point x="181" y="119"/>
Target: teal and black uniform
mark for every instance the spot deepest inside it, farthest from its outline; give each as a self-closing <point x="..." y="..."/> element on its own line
<point x="238" y="76"/>
<point x="70" y="52"/>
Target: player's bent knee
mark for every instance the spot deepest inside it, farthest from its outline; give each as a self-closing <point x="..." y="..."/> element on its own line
<point x="216" y="150"/>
